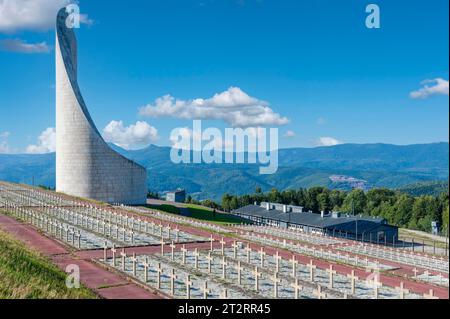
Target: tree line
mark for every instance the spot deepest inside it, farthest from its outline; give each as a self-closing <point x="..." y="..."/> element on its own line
<point x="398" y="208"/>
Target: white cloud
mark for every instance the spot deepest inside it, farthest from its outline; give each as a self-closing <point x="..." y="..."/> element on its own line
<point x="46" y="143"/>
<point x="321" y="121"/>
<point x="29" y="14"/>
<point x="4" y="135"/>
<point x="34" y="15"/>
<point x="437" y="86"/>
<point x="136" y="135"/>
<point x="20" y="46"/>
<point x="290" y="134"/>
<point x="4" y="146"/>
<point x="233" y="106"/>
<point x="328" y="141"/>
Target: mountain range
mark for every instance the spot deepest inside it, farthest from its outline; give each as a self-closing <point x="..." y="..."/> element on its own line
<point x="381" y="165"/>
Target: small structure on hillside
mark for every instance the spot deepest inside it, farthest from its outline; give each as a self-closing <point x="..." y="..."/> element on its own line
<point x="177" y="196"/>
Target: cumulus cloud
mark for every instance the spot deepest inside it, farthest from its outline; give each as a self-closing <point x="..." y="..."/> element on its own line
<point x="20" y="46"/>
<point x="4" y="146"/>
<point x="437" y="86"/>
<point x="328" y="141"/>
<point x="134" y="136"/>
<point x="290" y="134"/>
<point x="34" y="15"/>
<point x="46" y="143"/>
<point x="234" y="106"/>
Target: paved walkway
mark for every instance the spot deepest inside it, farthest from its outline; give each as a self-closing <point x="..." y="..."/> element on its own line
<point x="106" y="284"/>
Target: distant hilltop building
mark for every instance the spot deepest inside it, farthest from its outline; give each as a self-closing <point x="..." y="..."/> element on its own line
<point x="178" y="196"/>
<point x="85" y="165"/>
<point x="352" y="182"/>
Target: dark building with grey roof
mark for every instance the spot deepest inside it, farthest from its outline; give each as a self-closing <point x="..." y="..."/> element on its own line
<point x="334" y="224"/>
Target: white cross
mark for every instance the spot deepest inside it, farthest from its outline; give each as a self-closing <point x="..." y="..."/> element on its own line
<point x="132" y="236"/>
<point x="211" y="240"/>
<point x="402" y="291"/>
<point x="172" y="248"/>
<point x="224" y="294"/>
<point x="124" y="255"/>
<point x="168" y="230"/>
<point x="294" y="266"/>
<point x="376" y="285"/>
<point x="196" y="255"/>
<point x="257" y="274"/>
<point x="162" y="246"/>
<point x="319" y="294"/>
<point x="105" y="251"/>
<point x="296" y="287"/>
<point x="415" y="270"/>
<point x="262" y="253"/>
<point x="248" y="250"/>
<point x="173" y="277"/>
<point x="146" y="265"/>
<point x="311" y="270"/>
<point x="183" y="254"/>
<point x="331" y="272"/>
<point x="352" y="278"/>
<point x="275" y="281"/>
<point x="209" y="259"/>
<point x="205" y="290"/>
<point x="430" y="295"/>
<point x="134" y="260"/>
<point x="239" y="270"/>
<point x="277" y="261"/>
<point x="222" y="243"/>
<point x="188" y="283"/>
<point x="224" y="267"/>
<point x="159" y="271"/>
<point x="235" y="246"/>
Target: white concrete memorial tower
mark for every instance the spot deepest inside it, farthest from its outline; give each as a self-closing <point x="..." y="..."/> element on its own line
<point x="85" y="165"/>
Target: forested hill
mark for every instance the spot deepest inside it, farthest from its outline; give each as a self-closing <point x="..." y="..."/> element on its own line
<point x="380" y="165"/>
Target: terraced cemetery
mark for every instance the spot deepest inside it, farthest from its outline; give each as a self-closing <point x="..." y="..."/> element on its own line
<point x="153" y="254"/>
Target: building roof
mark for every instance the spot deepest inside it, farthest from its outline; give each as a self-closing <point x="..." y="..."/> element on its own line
<point x="311" y="219"/>
<point x="178" y="191"/>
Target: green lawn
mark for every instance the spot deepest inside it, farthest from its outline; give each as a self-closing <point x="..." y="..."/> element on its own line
<point x="24" y="274"/>
<point x="165" y="208"/>
<point x="202" y="213"/>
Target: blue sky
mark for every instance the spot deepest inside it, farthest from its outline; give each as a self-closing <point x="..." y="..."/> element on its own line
<point x="313" y="63"/>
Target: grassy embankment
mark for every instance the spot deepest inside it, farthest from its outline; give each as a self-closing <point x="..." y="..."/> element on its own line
<point x="24" y="274"/>
<point x="199" y="212"/>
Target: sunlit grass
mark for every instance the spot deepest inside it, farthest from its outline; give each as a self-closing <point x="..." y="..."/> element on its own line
<point x="24" y="274"/>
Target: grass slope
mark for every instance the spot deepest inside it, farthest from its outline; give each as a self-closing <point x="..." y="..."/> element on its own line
<point x="24" y="274"/>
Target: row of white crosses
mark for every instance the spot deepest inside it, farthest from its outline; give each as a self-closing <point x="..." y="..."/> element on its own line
<point x="188" y="282"/>
<point x="238" y="265"/>
<point x="50" y="225"/>
<point x="102" y="222"/>
<point x="330" y="271"/>
<point x="314" y="251"/>
<point x="401" y="256"/>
